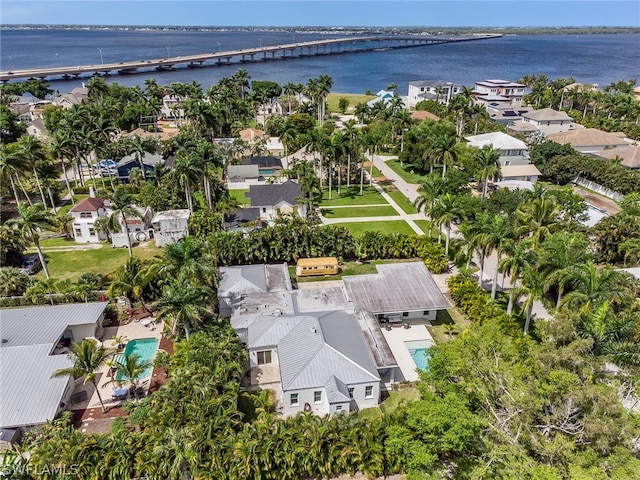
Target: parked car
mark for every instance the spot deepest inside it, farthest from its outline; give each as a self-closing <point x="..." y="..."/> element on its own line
<point x="30" y="264"/>
<point x="108" y="167"/>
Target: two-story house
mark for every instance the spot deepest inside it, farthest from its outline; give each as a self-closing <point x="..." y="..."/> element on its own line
<point x="437" y="90"/>
<point x="514" y="155"/>
<point x="545" y="120"/>
<point x="85" y="214"/>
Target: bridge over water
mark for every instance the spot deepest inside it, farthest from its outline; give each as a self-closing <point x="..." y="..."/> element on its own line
<point x="269" y="52"/>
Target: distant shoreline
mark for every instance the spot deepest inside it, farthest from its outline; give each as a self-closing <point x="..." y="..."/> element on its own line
<point x="427" y="30"/>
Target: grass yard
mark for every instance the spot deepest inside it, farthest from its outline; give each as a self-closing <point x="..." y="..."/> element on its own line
<point x="398" y="397"/>
<point x="407" y="172"/>
<point x="104" y="260"/>
<point x="403" y="202"/>
<point x="238" y="196"/>
<point x="56" y="242"/>
<point x="351" y="196"/>
<point x="447" y="325"/>
<point x="334" y="98"/>
<point x="425" y="225"/>
<point x="393" y="226"/>
<point x="359" y="211"/>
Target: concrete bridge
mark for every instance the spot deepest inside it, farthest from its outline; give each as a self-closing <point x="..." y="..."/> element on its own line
<point x="269" y="52"/>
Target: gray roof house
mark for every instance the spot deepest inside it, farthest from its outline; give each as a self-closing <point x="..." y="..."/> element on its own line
<point x="34" y="344"/>
<point x="322" y="350"/>
<point x="323" y="361"/>
<point x="277" y="199"/>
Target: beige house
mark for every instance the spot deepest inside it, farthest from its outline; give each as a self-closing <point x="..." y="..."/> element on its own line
<point x="74" y="97"/>
<point x="629" y="156"/>
<point x="590" y="140"/>
<point x="545" y="120"/>
<point x="525" y="173"/>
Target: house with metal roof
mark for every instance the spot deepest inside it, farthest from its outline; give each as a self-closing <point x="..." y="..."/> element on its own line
<point x="147" y="163"/>
<point x="34" y="343"/>
<point x="322" y="350"/>
<point x="512" y="151"/>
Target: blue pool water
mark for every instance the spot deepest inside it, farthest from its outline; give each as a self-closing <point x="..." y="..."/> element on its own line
<point x="419" y="351"/>
<point x="145" y="348"/>
<point x="267" y="171"/>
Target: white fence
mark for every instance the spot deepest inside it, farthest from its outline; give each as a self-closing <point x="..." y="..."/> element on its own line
<point x="596" y="187"/>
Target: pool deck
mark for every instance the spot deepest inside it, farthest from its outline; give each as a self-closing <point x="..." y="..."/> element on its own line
<point x="132" y="331"/>
<point x="396" y="338"/>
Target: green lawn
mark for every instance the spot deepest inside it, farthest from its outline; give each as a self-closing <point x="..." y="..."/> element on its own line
<point x="238" y="196"/>
<point x="393" y="226"/>
<point x="57" y="242"/>
<point x="104" y="260"/>
<point x="447" y="325"/>
<point x="407" y="172"/>
<point x="425" y="225"/>
<point x="356" y="211"/>
<point x="334" y="98"/>
<point x="398" y="397"/>
<point x="403" y="202"/>
<point x="351" y="196"/>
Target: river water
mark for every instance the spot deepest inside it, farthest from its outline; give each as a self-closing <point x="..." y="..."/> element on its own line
<point x="596" y="58"/>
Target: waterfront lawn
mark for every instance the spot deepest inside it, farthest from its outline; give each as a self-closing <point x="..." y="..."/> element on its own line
<point x="359" y="211"/>
<point x="409" y="173"/>
<point x="403" y="202"/>
<point x="333" y="100"/>
<point x="103" y="260"/>
<point x="393" y="226"/>
<point x="238" y="196"/>
<point x="351" y="196"/>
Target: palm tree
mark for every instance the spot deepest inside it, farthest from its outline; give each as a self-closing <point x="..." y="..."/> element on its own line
<point x="488" y="166"/>
<point x="189" y="170"/>
<point x="446" y="211"/>
<point x="130" y="369"/>
<point x="32" y="150"/>
<point x="184" y="306"/>
<point x="130" y="280"/>
<point x="430" y="190"/>
<point x="31" y="220"/>
<point x="12" y="281"/>
<point x="590" y="286"/>
<point x="539" y="218"/>
<point x="519" y="258"/>
<point x="87" y="357"/>
<point x="532" y="289"/>
<point x="188" y="261"/>
<point x="289" y="89"/>
<point x="498" y="233"/>
<point x="11" y="163"/>
<point x="443" y="149"/>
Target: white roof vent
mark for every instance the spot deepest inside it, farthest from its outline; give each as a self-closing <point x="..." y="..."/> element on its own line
<point x="313" y="329"/>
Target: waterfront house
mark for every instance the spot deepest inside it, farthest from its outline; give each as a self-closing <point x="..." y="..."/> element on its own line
<point x="382" y="96"/>
<point x="171" y="109"/>
<point x="74" y="97"/>
<point x="271" y="106"/>
<point x="501" y="92"/>
<point x="437" y="90"/>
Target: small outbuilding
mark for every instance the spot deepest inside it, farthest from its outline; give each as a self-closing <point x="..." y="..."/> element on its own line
<point x="170" y="226"/>
<point x="317" y="266"/>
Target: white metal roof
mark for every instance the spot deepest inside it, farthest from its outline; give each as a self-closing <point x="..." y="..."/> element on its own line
<point x="499" y="140"/>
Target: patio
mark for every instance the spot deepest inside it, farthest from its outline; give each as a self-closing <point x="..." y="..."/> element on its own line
<point x="136" y="329"/>
<point x="397" y="335"/>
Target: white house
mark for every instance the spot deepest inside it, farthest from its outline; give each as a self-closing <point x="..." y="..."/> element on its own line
<point x="35" y="343"/>
<point x="512" y="151"/>
<point x="171" y="107"/>
<point x="502" y="92"/>
<point x="85" y="214"/>
<point x="74" y="97"/>
<point x="437" y="90"/>
<point x="271" y="106"/>
<point x="382" y="96"/>
<point x="170" y="226"/>
<point x="277" y="199"/>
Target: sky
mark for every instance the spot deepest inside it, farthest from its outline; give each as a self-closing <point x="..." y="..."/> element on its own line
<point x="287" y="13"/>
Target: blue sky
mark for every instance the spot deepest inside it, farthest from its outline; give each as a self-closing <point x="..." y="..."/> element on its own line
<point x="450" y="13"/>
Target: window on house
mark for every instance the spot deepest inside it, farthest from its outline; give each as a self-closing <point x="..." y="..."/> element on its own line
<point x="85" y="215"/>
<point x="78" y="232"/>
<point x="264" y="210"/>
<point x="405" y="314"/>
<point x="293" y="400"/>
<point x="92" y="231"/>
<point x="317" y="396"/>
<point x="426" y="312"/>
<point x="338" y="408"/>
<point x="264" y="357"/>
<point x="368" y="391"/>
<point x="351" y="392"/>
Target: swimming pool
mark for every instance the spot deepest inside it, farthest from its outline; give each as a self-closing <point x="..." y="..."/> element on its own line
<point x="145" y="348"/>
<point x="267" y="171"/>
<point x="419" y="351"/>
